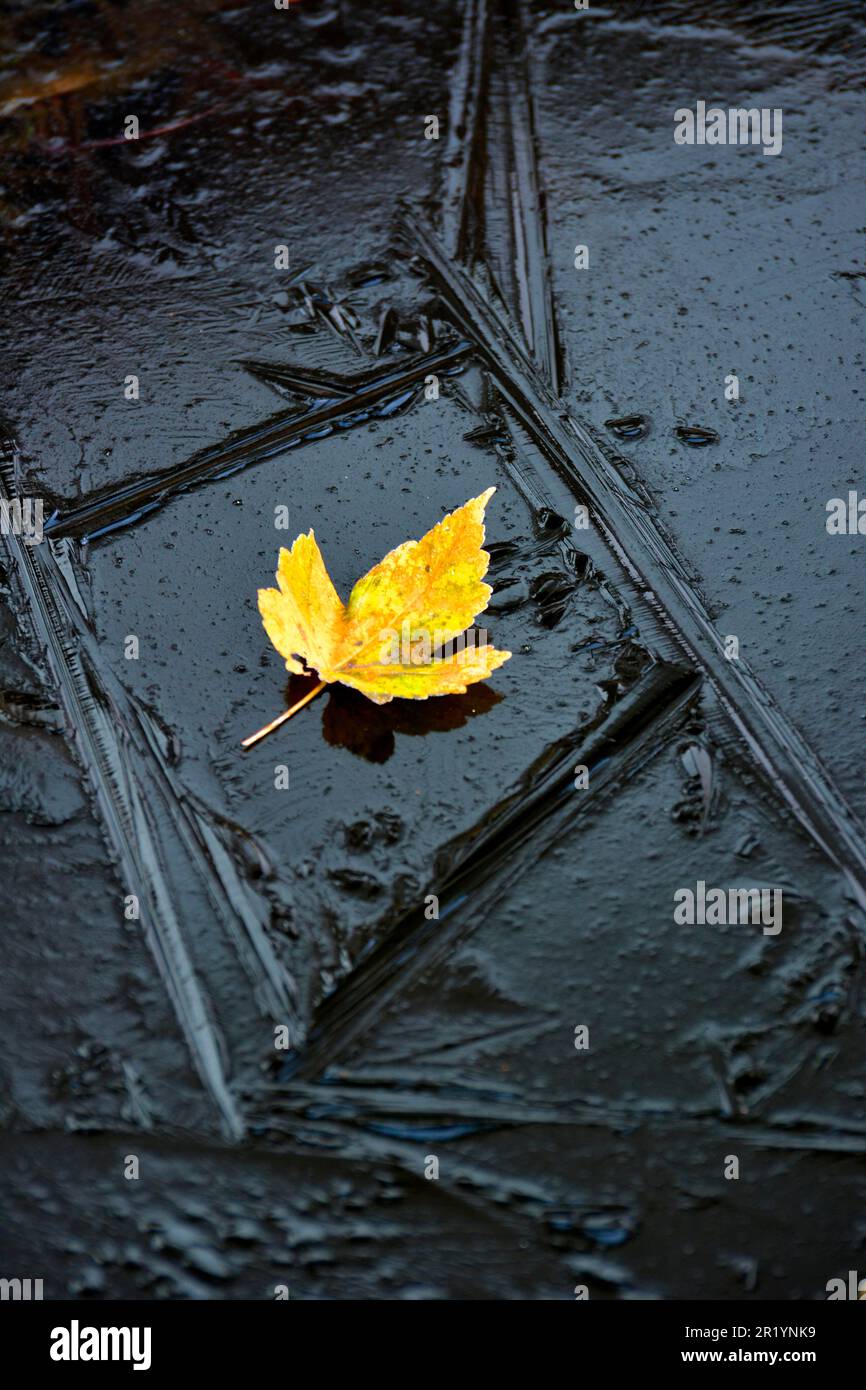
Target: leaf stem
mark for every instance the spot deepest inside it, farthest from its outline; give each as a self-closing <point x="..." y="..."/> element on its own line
<point x="281" y="719"/>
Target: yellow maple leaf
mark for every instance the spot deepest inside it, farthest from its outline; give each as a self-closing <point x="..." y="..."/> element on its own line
<point x="388" y="640"/>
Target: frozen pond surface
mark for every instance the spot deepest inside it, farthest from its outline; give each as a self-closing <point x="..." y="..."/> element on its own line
<point x="262" y="907"/>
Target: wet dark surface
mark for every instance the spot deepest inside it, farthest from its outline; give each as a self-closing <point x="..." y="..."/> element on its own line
<point x="304" y="388"/>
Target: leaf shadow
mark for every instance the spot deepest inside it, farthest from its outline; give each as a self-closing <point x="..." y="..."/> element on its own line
<point x="351" y="721"/>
